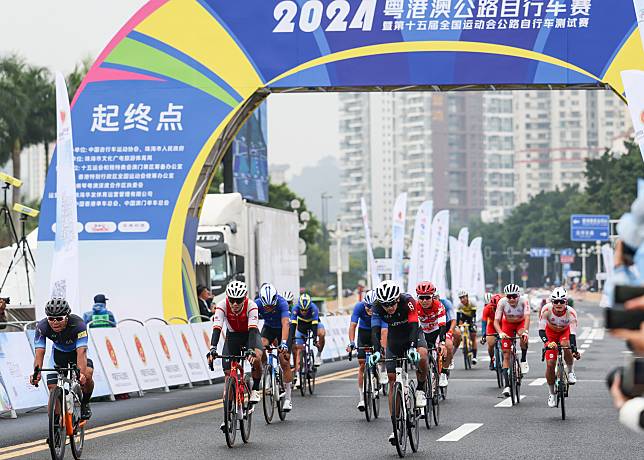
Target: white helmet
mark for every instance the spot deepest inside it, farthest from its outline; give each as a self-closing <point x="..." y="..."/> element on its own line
<point x="462" y="293"/>
<point x="288" y="296"/>
<point x="370" y="298"/>
<point x="388" y="292"/>
<point x="487" y="297"/>
<point x="511" y="289"/>
<point x="236" y="290"/>
<point x="268" y="294"/>
<point x="559" y="293"/>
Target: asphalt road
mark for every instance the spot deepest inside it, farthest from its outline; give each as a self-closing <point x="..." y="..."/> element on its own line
<point x="185" y="423"/>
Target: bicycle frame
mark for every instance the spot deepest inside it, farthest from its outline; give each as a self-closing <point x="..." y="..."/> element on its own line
<point x="66" y="379"/>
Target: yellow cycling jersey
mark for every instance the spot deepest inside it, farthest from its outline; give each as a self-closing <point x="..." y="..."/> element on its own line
<point x="468" y="310"/>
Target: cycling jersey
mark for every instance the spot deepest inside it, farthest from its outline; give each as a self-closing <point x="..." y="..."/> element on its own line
<point x="402" y="323"/>
<point x="449" y="310"/>
<point x="247" y="318"/>
<point x="487" y="319"/>
<point x="361" y="317"/>
<point x="432" y="318"/>
<point x="300" y="316"/>
<point x="469" y="309"/>
<point x="512" y="314"/>
<point x="548" y="319"/>
<point x="74" y="336"/>
<point x="272" y="314"/>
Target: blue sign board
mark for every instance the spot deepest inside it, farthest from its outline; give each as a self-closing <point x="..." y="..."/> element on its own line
<point x="539" y="253"/>
<point x="589" y="227"/>
<point x="567" y="252"/>
<point x="250" y="163"/>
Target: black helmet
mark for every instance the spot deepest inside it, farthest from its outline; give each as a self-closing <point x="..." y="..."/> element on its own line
<point x="57" y="306"/>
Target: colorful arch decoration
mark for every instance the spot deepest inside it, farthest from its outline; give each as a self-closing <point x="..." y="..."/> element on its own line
<point x="164" y="99"/>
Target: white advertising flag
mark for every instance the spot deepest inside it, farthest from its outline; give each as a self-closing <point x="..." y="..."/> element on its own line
<point x="398" y="237"/>
<point x="371" y="261"/>
<point x="477" y="284"/>
<point x="438" y="246"/>
<point x="639" y="12"/>
<point x="463" y="261"/>
<point x="634" y="88"/>
<point x="64" y="272"/>
<point x="419" y="246"/>
<point x="454" y="249"/>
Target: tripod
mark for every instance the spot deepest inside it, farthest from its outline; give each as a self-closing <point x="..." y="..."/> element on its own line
<point x="22" y="248"/>
<point x="6" y="213"/>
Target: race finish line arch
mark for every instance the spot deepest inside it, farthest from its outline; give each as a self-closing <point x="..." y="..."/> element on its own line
<point x="165" y="98"/>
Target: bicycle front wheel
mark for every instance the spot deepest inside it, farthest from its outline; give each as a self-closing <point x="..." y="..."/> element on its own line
<point x="375" y="394"/>
<point x="57" y="434"/>
<point x="517" y="380"/>
<point x="268" y="401"/>
<point x="302" y="372"/>
<point x="412" y="417"/>
<point x="512" y="375"/>
<point x="247" y="418"/>
<point x="398" y="420"/>
<point x="279" y="386"/>
<point x="437" y="391"/>
<point x="366" y="392"/>
<point x="77" y="439"/>
<point x="498" y="360"/>
<point x="312" y="371"/>
<point x="466" y="351"/>
<point x="230" y="411"/>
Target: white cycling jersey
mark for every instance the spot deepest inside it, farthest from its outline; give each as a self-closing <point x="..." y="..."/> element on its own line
<point x="512" y="314"/>
<point x="558" y="323"/>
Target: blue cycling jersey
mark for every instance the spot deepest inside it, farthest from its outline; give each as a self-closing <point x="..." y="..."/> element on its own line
<point x="361" y="317"/>
<point x="449" y="310"/>
<point x="273" y="314"/>
<point x="69" y="339"/>
<point x="309" y="316"/>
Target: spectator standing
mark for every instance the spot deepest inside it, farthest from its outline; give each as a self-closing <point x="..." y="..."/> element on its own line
<point x="99" y="313"/>
<point x="3" y="312"/>
<point x="204" y="299"/>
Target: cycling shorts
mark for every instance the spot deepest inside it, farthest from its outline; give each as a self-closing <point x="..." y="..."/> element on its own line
<point x="511" y="329"/>
<point x="489" y="328"/>
<point x="399" y="350"/>
<point x="469" y="319"/>
<point x="557" y="337"/>
<point x="235" y="341"/>
<point x="300" y="336"/>
<point x="364" y="340"/>
<point x="432" y="338"/>
<point x="64" y="359"/>
<point x="272" y="334"/>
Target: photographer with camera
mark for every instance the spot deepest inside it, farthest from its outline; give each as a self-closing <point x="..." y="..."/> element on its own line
<point x="3" y="312"/>
<point x="625" y="318"/>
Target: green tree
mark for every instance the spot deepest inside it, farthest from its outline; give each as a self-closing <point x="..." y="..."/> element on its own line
<point x="76" y="76"/>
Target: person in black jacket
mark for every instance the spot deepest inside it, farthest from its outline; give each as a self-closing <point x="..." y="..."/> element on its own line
<point x="203" y="297"/>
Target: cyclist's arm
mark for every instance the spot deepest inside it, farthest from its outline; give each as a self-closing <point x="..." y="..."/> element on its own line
<point x="316" y="319"/>
<point x="384" y="333"/>
<point x="218" y="324"/>
<point x="376" y="331"/>
<point x="253" y="325"/>
<point x="497" y="318"/>
<point x="412" y="319"/>
<point x="526" y="314"/>
<point x="285" y="320"/>
<point x="291" y="330"/>
<point x="442" y="320"/>
<point x="81" y="359"/>
<point x="543" y="319"/>
<point x="352" y="332"/>
<point x="39" y="357"/>
<point x="573" y="329"/>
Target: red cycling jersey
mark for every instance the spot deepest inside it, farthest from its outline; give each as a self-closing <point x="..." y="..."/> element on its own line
<point x="433" y="317"/>
<point x="247" y="318"/>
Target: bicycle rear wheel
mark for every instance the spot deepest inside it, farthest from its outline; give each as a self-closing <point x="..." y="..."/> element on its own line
<point x="367" y="392"/>
<point x="375" y="395"/>
<point x="268" y="401"/>
<point x="429" y="407"/>
<point x="230" y="411"/>
<point x="398" y="420"/>
<point x="517" y="380"/>
<point x="77" y="440"/>
<point x="436" y="395"/>
<point x="302" y="372"/>
<point x="498" y="367"/>
<point x="310" y="375"/>
<point x="279" y="385"/>
<point x="247" y="419"/>
<point x="512" y="376"/>
<point x="466" y="351"/>
<point x="57" y="434"/>
<point x="412" y="417"/>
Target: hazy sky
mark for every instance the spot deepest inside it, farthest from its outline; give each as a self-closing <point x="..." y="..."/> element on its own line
<point x="59" y="33"/>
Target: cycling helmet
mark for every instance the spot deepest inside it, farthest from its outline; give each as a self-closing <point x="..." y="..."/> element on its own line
<point x="268" y="294"/>
<point x="425" y="288"/>
<point x="288" y="296"/>
<point x="388" y="292"/>
<point x="462" y="293"/>
<point x="559" y="294"/>
<point x="57" y="306"/>
<point x="305" y="301"/>
<point x="511" y="289"/>
<point x="236" y="290"/>
<point x="487" y="297"/>
<point x="370" y="298"/>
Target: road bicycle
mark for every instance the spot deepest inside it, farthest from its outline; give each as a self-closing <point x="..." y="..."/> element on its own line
<point x="514" y="372"/>
<point x="307" y="370"/>
<point x="404" y="412"/>
<point x="238" y="410"/>
<point x="370" y="386"/>
<point x="432" y="388"/>
<point x="64" y="412"/>
<point x="273" y="386"/>
<point x="467" y="345"/>
<point x="498" y="360"/>
<point x="561" y="379"/>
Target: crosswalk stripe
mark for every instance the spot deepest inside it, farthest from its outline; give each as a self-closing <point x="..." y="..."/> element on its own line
<point x="507" y="402"/>
<point x="460" y="432"/>
<point x="585" y="345"/>
<point x="585" y="333"/>
<point x="538" y="382"/>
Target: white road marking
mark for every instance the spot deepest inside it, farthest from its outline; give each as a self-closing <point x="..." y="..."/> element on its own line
<point x="585" y="333"/>
<point x="585" y="345"/>
<point x="507" y="402"/>
<point x="627" y="352"/>
<point x="460" y="432"/>
<point x="599" y="335"/>
<point x="538" y="382"/>
<point x="595" y="319"/>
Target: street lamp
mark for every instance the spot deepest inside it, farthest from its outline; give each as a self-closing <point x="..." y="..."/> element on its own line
<point x="524" y="274"/>
<point x="499" y="278"/>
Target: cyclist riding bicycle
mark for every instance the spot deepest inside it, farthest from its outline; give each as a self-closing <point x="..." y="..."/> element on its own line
<point x="241" y="317"/>
<point x="361" y="319"/>
<point x="512" y="318"/>
<point x="400" y="313"/>
<point x="273" y="309"/>
<point x="304" y="317"/>
<point x="558" y="325"/>
<point x="289" y="297"/>
<point x="432" y="318"/>
<point x="487" y="325"/>
<point x="452" y="336"/>
<point x="466" y="313"/>
<point x="68" y="334"/>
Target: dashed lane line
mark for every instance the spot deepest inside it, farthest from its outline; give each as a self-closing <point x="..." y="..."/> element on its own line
<point x="507" y="402"/>
<point x="460" y="432"/>
<point x="537" y="382"/>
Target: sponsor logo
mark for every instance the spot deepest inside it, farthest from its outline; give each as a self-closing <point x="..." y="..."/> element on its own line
<point x="82" y="334"/>
<point x="111" y="352"/>
<point x="164" y="346"/>
<point x="186" y="345"/>
<point x="140" y="350"/>
<point x="100" y="227"/>
<point x="63" y="116"/>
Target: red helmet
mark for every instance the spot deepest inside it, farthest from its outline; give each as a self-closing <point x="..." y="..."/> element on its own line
<point x="425" y="288"/>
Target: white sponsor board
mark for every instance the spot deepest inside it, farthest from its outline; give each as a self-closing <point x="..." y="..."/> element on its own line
<point x="142" y="357"/>
<point x="16" y="365"/>
<point x="168" y="354"/>
<point x="113" y="356"/>
<point x="203" y="333"/>
<point x="634" y="87"/>
<point x="190" y="353"/>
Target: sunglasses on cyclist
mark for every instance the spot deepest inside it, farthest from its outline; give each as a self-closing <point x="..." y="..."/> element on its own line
<point x="559" y="301"/>
<point x="389" y="304"/>
<point x="57" y="319"/>
<point x="512" y="296"/>
<point x="236" y="301"/>
<point x="425" y="297"/>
